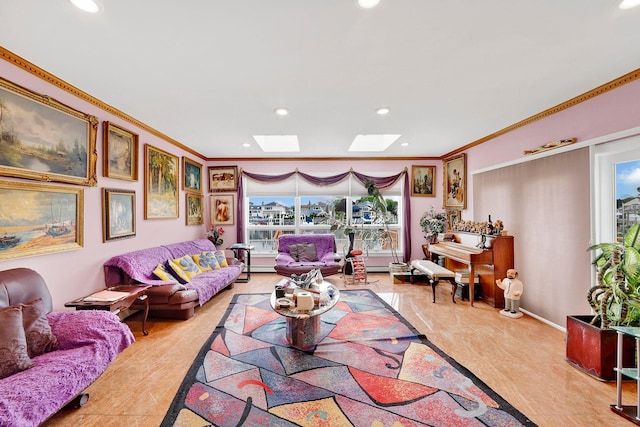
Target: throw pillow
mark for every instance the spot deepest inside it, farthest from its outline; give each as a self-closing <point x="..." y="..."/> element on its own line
<point x="162" y="273"/>
<point x="294" y="251"/>
<point x="183" y="268"/>
<point x="206" y="261"/>
<point x="13" y="342"/>
<point x="307" y="252"/>
<point x="40" y="338"/>
<point x="222" y="260"/>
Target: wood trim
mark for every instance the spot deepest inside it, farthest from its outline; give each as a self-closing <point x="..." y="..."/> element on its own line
<point x="613" y="84"/>
<point x="59" y="83"/>
<point x="44" y="75"/>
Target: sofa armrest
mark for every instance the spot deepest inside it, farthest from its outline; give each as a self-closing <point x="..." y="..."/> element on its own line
<point x="75" y="329"/>
<point x="284" y="259"/>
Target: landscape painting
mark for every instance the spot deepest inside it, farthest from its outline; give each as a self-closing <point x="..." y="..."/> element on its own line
<point x="161" y="184"/>
<point x="45" y="140"/>
<point x="39" y="218"/>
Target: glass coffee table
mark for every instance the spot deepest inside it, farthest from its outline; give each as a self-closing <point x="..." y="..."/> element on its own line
<point x="303" y="326"/>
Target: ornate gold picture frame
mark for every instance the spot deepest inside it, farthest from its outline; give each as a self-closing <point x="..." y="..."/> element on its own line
<point x="455" y="182"/>
<point x="160" y="184"/>
<point x="120" y="153"/>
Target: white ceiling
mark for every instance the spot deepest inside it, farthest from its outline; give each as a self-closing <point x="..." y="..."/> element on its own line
<point x="210" y="73"/>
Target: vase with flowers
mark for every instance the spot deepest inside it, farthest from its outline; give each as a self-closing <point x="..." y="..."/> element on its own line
<point x="432" y="223"/>
<point x="215" y="236"/>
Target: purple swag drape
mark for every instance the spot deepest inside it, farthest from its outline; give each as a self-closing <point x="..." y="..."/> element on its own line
<point x="380" y="182"/>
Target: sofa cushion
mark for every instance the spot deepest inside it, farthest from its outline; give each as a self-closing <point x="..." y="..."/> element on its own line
<point x="307" y="252"/>
<point x="206" y="261"/>
<point x="294" y="251"/>
<point x="13" y="342"/>
<point x="162" y="273"/>
<point x="222" y="259"/>
<point x="184" y="268"/>
<point x="37" y="331"/>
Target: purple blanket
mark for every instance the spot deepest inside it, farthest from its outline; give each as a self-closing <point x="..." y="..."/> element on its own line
<point x="88" y="342"/>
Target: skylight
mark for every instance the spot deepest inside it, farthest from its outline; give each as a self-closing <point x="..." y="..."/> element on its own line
<point x="278" y="143"/>
<point x="372" y="142"/>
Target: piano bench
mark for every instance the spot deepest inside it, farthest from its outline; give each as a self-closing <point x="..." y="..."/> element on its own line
<point x="435" y="273"/>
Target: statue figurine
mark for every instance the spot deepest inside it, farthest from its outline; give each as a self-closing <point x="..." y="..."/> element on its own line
<point x="513" y="289"/>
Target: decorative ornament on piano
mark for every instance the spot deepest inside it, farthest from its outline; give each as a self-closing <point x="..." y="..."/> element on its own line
<point x="432" y="223"/>
<point x="483" y="227"/>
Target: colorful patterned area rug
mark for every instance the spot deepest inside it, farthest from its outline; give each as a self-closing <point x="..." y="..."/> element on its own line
<point x="370" y="368"/>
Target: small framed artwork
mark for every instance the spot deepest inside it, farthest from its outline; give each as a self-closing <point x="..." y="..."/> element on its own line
<point x="455" y="182"/>
<point x="453" y="217"/>
<point x="191" y="175"/>
<point x="222" y="212"/>
<point x="120" y="153"/>
<point x="223" y="178"/>
<point x="119" y="214"/>
<point x="38" y="219"/>
<point x="160" y="184"/>
<point x="45" y="140"/>
<point x="422" y="179"/>
<point x="194" y="209"/>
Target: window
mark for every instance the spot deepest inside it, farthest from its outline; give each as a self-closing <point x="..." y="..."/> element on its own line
<point x="296" y="206"/>
<point x="616" y="198"/>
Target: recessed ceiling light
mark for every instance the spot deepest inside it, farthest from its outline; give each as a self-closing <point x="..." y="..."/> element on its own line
<point x="382" y="111"/>
<point x="246" y="144"/>
<point x="405" y="144"/>
<point x="282" y="111"/>
<point x="628" y="4"/>
<point x="368" y="4"/>
<point x="278" y="143"/>
<point x="89" y="6"/>
<point x="372" y="142"/>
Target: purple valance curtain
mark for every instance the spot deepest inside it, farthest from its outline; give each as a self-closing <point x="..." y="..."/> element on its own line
<point x="381" y="184"/>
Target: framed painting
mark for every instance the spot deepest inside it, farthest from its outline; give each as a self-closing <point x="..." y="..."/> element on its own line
<point x="160" y="184"/>
<point x="223" y="178"/>
<point x="194" y="209"/>
<point x="222" y="209"/>
<point x="422" y="179"/>
<point x="191" y="175"/>
<point x="118" y="214"/>
<point x="43" y="139"/>
<point x="120" y="153"/>
<point x="455" y="182"/>
<point x="453" y="217"/>
<point x="37" y="219"/>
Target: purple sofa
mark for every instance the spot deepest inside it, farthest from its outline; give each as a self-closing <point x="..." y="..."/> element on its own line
<point x="88" y="341"/>
<point x="293" y="260"/>
<point x="169" y="299"/>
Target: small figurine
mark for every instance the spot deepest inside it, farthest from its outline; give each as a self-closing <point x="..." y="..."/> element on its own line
<point x="513" y="289"/>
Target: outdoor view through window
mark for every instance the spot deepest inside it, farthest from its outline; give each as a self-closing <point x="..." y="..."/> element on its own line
<point x="627" y="196"/>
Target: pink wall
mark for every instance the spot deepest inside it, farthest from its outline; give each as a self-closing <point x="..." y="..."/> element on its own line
<point x="78" y="272"/>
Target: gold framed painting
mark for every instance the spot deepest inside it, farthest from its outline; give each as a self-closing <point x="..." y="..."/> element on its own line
<point x="160" y="184"/>
<point x="455" y="182"/>
<point x="118" y="214"/>
<point x="453" y="217"/>
<point x="222" y="212"/>
<point x="223" y="178"/>
<point x="45" y="140"/>
<point x="38" y="219"/>
<point x="422" y="179"/>
<point x="191" y="175"/>
<point x="120" y="153"/>
<point x="194" y="209"/>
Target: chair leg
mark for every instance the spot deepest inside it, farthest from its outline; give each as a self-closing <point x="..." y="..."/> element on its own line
<point x="454" y="286"/>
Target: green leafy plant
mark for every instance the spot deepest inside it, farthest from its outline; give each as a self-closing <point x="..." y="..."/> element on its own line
<point x="615" y="298"/>
<point x="432" y="222"/>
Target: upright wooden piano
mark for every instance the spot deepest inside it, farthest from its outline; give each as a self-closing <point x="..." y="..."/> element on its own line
<point x="489" y="264"/>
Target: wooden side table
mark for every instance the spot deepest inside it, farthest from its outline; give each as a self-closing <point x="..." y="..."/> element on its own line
<point x="115" y="299"/>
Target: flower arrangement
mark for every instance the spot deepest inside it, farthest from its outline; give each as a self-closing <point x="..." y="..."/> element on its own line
<point x="215" y="235"/>
<point x="432" y="223"/>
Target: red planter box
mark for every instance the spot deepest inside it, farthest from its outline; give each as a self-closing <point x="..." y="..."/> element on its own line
<point x="593" y="350"/>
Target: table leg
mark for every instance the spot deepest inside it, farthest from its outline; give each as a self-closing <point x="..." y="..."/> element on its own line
<point x="144" y="299"/>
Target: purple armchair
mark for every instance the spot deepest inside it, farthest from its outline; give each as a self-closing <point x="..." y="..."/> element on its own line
<point x="301" y="253"/>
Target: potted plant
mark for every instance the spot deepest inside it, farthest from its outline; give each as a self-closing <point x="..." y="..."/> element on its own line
<point x="615" y="300"/>
<point x="432" y="223"/>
